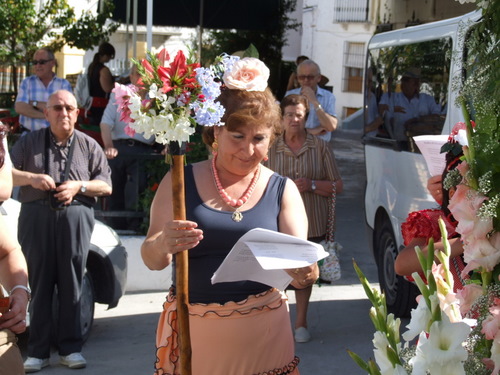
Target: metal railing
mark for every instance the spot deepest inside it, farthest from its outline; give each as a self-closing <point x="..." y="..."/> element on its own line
<point x="351" y="11"/>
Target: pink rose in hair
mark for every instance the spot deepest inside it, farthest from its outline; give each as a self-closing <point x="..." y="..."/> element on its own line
<point x="249" y="74"/>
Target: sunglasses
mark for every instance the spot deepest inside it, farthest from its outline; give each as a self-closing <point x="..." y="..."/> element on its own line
<point x="41" y="62"/>
<point x="60" y="107"/>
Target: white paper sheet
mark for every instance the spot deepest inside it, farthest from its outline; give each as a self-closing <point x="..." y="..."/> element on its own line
<point x="430" y="147"/>
<point x="261" y="255"/>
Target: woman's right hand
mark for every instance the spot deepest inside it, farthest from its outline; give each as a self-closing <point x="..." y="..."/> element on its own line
<point x="179" y="235"/>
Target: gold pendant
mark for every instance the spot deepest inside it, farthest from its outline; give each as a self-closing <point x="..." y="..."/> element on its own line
<point x="237" y="216"/>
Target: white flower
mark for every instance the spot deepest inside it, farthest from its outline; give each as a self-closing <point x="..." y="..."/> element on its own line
<point x="153" y="92"/>
<point x="381" y="345"/>
<point x="420" y="318"/>
<point x="443" y="351"/>
<point x="461" y="137"/>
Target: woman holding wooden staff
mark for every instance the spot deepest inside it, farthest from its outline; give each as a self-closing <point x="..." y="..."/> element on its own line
<point x="236" y="327"/>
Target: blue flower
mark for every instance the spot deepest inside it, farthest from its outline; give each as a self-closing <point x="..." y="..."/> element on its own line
<point x="208" y="113"/>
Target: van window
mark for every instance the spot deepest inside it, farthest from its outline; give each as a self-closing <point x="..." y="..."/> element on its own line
<point x="407" y="88"/>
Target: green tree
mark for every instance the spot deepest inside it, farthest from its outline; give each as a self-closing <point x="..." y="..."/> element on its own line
<point x="25" y="26"/>
<point x="269" y="43"/>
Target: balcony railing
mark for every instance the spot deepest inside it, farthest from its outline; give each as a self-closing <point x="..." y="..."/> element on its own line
<point x="351" y="11"/>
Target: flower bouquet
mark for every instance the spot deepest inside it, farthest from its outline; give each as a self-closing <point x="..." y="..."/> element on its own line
<point x="173" y="96"/>
<point x="458" y="333"/>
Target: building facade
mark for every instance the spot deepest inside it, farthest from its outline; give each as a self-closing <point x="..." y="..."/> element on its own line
<point x="335" y="34"/>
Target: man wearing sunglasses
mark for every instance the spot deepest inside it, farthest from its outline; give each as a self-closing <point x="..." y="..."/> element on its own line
<point x="60" y="172"/>
<point x="322" y="119"/>
<point x="35" y="90"/>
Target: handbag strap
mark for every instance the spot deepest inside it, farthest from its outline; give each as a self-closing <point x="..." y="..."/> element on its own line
<point x="330" y="225"/>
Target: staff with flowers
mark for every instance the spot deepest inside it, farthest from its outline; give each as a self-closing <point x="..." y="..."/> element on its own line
<point x="237" y="327"/>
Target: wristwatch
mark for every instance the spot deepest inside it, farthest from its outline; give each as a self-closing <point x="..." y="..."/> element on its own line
<point x="313" y="185"/>
<point x="35" y="103"/>
<point x="83" y="189"/>
<point x="319" y="107"/>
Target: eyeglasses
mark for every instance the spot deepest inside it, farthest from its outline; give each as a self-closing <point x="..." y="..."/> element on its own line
<point x="60" y="107"/>
<point x="308" y="77"/>
<point x="41" y="62"/>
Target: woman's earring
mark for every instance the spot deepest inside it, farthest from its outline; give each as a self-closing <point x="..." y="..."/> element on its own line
<point x="266" y="158"/>
<point x="215" y="147"/>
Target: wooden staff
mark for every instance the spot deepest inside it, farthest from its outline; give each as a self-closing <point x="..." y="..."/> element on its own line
<point x="181" y="263"/>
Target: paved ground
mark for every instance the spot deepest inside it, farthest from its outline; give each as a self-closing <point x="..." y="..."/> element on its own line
<point x="122" y="339"/>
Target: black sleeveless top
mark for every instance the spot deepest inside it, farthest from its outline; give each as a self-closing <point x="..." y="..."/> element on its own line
<point x="220" y="233"/>
<point x="95" y="88"/>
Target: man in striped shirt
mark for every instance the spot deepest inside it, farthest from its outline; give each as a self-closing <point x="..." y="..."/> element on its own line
<point x="35" y="90"/>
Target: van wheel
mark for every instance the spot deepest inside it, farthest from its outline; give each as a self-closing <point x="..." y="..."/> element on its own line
<point x="399" y="293"/>
<point x="87" y="312"/>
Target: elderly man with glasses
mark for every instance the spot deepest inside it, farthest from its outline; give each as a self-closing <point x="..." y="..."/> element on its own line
<point x="60" y="172"/>
<point x="322" y="119"/>
<point x="35" y="90"/>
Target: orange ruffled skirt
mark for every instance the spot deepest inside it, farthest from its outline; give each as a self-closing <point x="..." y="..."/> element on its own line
<point x="251" y="337"/>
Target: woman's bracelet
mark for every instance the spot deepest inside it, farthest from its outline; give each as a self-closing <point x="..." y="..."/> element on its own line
<point x="25" y="288"/>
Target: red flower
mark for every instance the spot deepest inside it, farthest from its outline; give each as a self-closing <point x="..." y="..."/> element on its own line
<point x="178" y="74"/>
<point x="163" y="56"/>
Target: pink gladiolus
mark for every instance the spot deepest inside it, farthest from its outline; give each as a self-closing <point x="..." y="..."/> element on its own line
<point x="123" y="92"/>
<point x="129" y="131"/>
<point x="491" y="325"/>
<point x="463" y="168"/>
<point x="125" y="116"/>
<point x="480" y="253"/>
<point x="464" y="206"/>
<point x="495" y="240"/>
<point x="467" y="296"/>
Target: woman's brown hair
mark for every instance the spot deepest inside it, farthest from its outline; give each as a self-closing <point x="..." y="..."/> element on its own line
<point x="294" y="99"/>
<point x="247" y="108"/>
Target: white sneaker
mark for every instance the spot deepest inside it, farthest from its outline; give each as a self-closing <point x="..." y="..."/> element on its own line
<point x="73" y="360"/>
<point x="33" y="364"/>
<point x="302" y="335"/>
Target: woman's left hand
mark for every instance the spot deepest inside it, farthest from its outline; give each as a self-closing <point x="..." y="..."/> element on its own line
<point x="305" y="276"/>
<point x="303" y="184"/>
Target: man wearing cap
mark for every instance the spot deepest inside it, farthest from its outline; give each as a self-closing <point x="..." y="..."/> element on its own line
<point x="35" y="90"/>
<point x="322" y="119"/>
<point x="407" y="107"/>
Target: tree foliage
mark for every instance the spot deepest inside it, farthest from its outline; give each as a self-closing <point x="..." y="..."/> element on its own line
<point x="269" y="43"/>
<point x="25" y="27"/>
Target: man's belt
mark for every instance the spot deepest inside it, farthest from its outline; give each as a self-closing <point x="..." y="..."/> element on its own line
<point x="131" y="142"/>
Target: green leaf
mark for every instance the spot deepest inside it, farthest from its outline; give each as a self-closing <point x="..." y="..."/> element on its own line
<point x="251" y="51"/>
<point x="359" y="361"/>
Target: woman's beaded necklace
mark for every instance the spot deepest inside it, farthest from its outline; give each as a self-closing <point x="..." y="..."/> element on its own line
<point x="237" y="216"/>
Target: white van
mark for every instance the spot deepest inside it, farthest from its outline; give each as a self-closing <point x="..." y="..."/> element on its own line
<point x="396" y="173"/>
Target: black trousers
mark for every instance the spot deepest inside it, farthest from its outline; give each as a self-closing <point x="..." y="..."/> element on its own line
<point x="56" y="245"/>
<point x="129" y="180"/>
